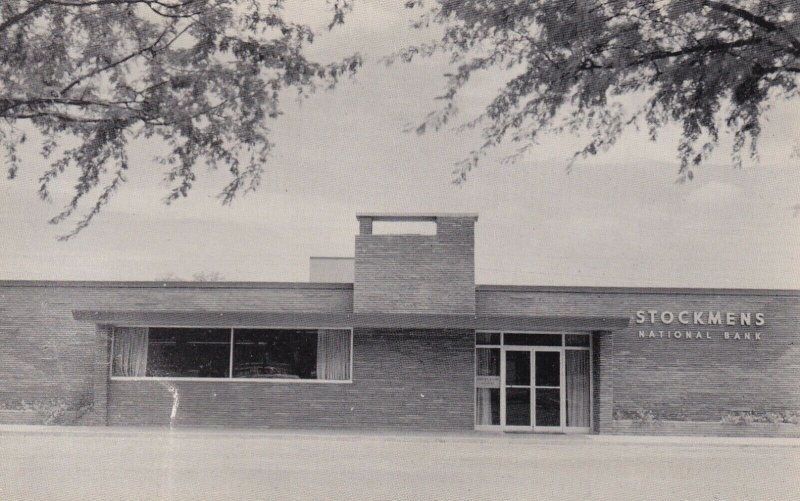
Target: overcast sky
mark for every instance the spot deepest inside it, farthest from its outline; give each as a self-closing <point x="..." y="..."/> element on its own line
<point x="617" y="220"/>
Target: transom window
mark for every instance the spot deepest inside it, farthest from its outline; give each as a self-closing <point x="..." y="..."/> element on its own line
<point x="266" y="354"/>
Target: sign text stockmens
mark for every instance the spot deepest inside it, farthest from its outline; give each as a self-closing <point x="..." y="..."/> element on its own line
<point x="739" y="326"/>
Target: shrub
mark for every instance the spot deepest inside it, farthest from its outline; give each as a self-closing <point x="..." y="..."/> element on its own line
<point x="749" y="417"/>
<point x="56" y="410"/>
<point x="638" y="416"/>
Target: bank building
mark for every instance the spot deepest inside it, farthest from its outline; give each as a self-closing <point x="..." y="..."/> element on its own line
<point x="399" y="337"/>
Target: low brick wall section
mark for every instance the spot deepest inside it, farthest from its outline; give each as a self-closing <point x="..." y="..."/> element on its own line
<point x="414" y="380"/>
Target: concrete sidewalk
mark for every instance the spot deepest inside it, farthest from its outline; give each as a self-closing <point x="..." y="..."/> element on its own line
<point x="80" y="464"/>
<point x="395" y="436"/>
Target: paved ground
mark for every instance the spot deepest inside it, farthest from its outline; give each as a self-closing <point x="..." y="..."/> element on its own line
<point x="114" y="464"/>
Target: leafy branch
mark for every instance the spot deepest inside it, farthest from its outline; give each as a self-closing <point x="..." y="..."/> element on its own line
<point x="202" y="77"/>
<point x="705" y="65"/>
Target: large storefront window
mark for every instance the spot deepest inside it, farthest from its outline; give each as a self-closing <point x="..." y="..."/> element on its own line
<point x="280" y="354"/>
<point x="188" y="352"/>
<point x="533" y="381"/>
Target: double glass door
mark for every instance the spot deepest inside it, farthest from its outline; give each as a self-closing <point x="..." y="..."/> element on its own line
<point x="533" y="382"/>
<point x="532" y="389"/>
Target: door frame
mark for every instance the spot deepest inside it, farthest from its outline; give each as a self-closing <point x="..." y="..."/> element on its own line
<point x="562" y="407"/>
<point x="504" y="387"/>
<point x="533" y="388"/>
<point x="563" y="428"/>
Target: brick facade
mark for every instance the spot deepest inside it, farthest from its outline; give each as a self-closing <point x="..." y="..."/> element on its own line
<point x="404" y="380"/>
<point x="410" y="378"/>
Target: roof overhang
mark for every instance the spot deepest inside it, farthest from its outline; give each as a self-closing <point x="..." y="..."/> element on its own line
<point x="345" y="320"/>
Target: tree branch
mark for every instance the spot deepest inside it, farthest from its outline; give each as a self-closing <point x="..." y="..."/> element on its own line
<point x="656" y="55"/>
<point x="120" y="2"/>
<point x="60" y="116"/>
<point x="18" y="17"/>
<point x="12" y="103"/>
<point x="714" y="47"/>
<point x="759" y="21"/>
<point x="130" y="56"/>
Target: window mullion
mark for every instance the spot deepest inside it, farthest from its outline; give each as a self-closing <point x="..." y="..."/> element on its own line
<point x="230" y="364"/>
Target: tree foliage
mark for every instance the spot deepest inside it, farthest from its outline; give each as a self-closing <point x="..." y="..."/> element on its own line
<point x="710" y="66"/>
<point x="204" y="77"/>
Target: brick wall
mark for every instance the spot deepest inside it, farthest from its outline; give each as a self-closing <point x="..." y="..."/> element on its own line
<point x="415" y="380"/>
<point x="417" y="273"/>
<point x="679" y="379"/>
<point x="405" y="380"/>
<point x="47" y="358"/>
<point x="602" y="381"/>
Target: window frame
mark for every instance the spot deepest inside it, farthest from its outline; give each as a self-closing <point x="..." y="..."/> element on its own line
<point x="230" y="377"/>
<point x="563" y="348"/>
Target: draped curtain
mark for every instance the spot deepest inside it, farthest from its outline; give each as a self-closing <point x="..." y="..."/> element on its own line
<point x="487" y="398"/>
<point x="483" y="406"/>
<point x="130" y="351"/>
<point x="577" y="372"/>
<point x="333" y="354"/>
<point x="488" y="363"/>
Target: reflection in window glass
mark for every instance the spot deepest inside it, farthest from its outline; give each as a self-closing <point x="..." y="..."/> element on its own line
<point x="518" y="406"/>
<point x="518" y="368"/>
<point x="577" y="340"/>
<point x="487" y="338"/>
<point x="279" y="354"/>
<point x="532" y="339"/>
<point x="548" y="407"/>
<point x="548" y="368"/>
<point x="173" y="352"/>
<point x="291" y="354"/>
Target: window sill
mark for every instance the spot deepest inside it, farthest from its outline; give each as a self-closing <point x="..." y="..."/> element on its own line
<point x="232" y="380"/>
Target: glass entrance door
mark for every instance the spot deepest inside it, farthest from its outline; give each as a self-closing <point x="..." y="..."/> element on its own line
<point x="517" y="389"/>
<point x="532" y="389"/>
<point x="548" y="389"/>
<point x="533" y="382"/>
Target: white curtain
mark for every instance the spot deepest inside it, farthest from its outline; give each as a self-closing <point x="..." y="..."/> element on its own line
<point x="578" y="397"/>
<point x="483" y="406"/>
<point x="130" y="351"/>
<point x="488" y="363"/>
<point x="333" y="354"/>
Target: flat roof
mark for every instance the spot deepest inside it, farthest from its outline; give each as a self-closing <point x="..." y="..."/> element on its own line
<point x="637" y="290"/>
<point x="415" y="216"/>
<point x="160" y="284"/>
